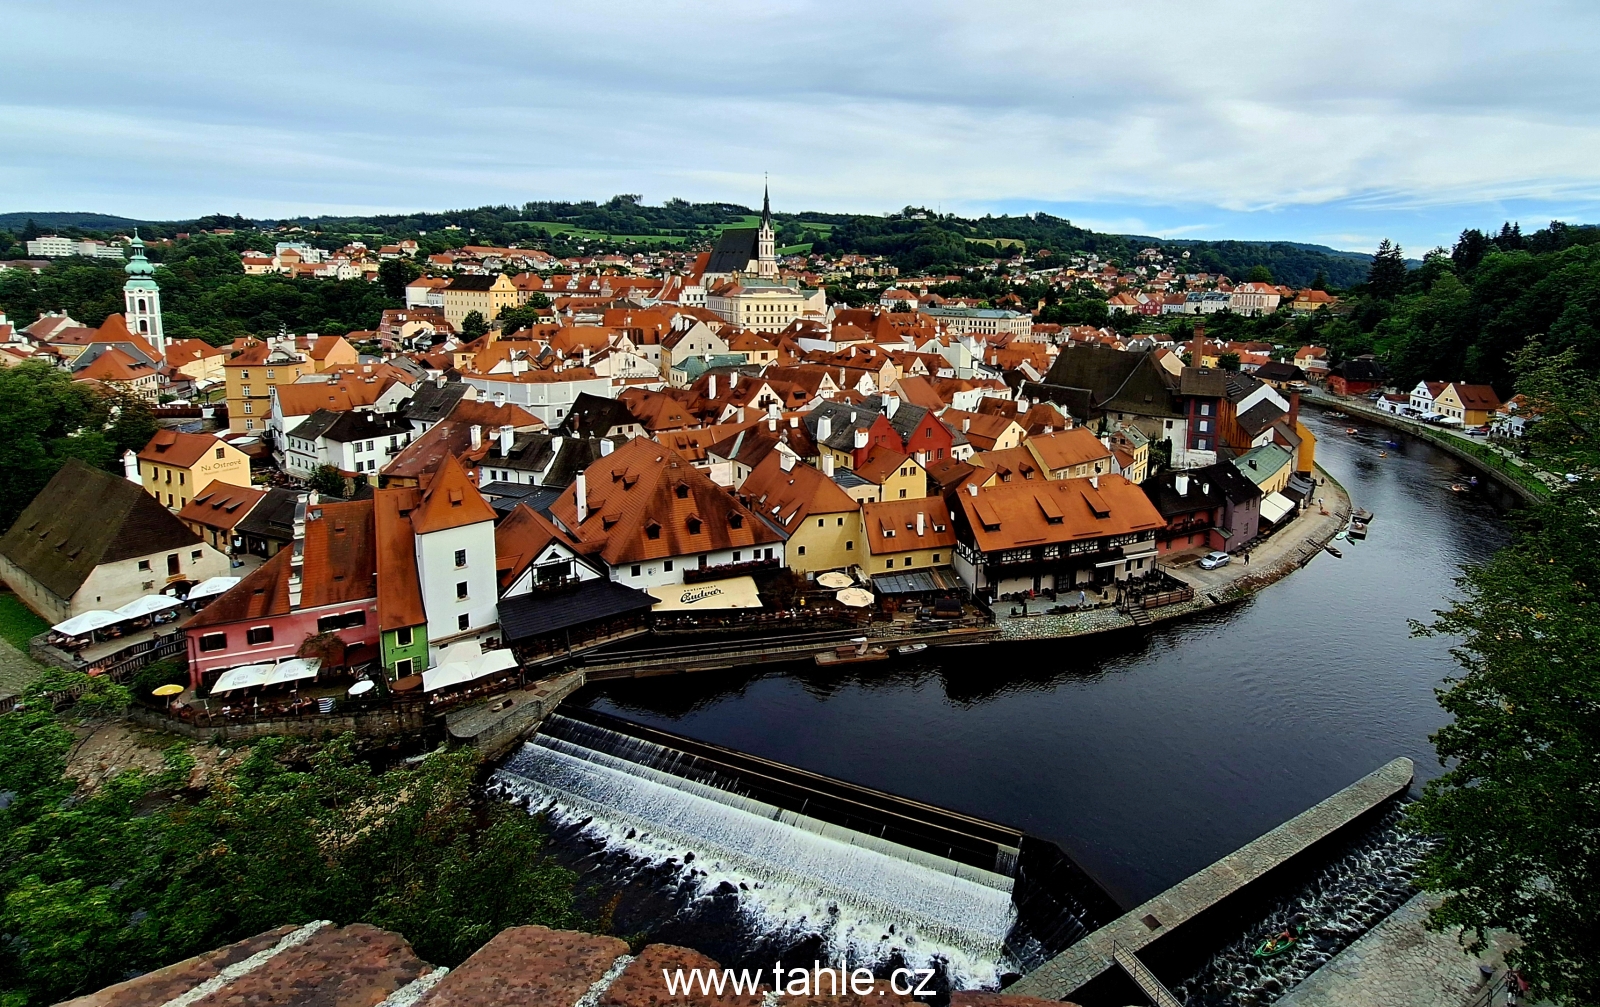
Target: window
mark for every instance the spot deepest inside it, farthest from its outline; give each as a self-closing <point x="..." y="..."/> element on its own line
<point x="402" y="667"/>
<point x="666" y="567"/>
<point x="172" y="565"/>
<point x="257" y="635"/>
<point x="769" y="554"/>
<point x="246" y="391"/>
<point x="849" y="546"/>
<point x="169" y="477"/>
<point x="462" y="621"/>
<point x="272" y="375"/>
<point x="356" y="618"/>
<point x="461" y="557"/>
<point x="461" y="589"/>
<point x="194" y="557"/>
<point x="819" y="522"/>
<point x="245" y="375"/>
<point x="144" y="564"/>
<point x="888" y="564"/>
<point x="180" y="478"/>
<point x="936" y="557"/>
<point x="249" y="407"/>
<point x="902" y="494"/>
<point x="402" y="636"/>
<point x="736" y="555"/>
<point x="220" y="453"/>
<point x="635" y="569"/>
<point x="213" y="641"/>
<point x="329" y="623"/>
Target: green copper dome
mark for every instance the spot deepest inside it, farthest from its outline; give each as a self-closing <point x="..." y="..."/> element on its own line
<point x="138" y="265"/>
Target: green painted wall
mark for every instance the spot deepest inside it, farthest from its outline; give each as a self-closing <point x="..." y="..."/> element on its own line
<point x="417" y="650"/>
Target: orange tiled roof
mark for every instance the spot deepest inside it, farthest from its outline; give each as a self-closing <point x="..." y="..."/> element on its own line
<point x="399" y="590"/>
<point x="1013" y="515"/>
<point x="892" y="525"/>
<point x="450" y="501"/>
<point x="170" y="447"/>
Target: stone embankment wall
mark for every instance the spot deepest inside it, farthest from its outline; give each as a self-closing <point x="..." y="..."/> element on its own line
<point x="321" y="965"/>
<point x="409" y="719"/>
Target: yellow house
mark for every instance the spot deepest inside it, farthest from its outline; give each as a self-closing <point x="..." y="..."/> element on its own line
<point x="908" y="534"/>
<point x="1268" y="466"/>
<point x="483" y="294"/>
<point x="1306" y="457"/>
<point x="175" y="466"/>
<point x="897" y="476"/>
<point x="822" y="522"/>
<point x="330" y="352"/>
<point x="1131" y="448"/>
<point x="251" y="374"/>
<point x="1070" y="454"/>
<point x="1471" y="404"/>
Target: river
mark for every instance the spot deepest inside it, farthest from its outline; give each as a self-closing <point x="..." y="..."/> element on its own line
<point x="1147" y="757"/>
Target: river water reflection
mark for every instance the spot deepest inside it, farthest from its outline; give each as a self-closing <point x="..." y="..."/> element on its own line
<point x="1147" y="757"/>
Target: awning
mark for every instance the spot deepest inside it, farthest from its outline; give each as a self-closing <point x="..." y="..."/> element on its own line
<point x="459" y="672"/>
<point x="148" y="605"/>
<point x="707" y="596"/>
<point x="241" y="678"/>
<point x="211" y="586"/>
<point x="293" y="671"/>
<point x="88" y="622"/>
<point x="1274" y="506"/>
<point x="938" y="578"/>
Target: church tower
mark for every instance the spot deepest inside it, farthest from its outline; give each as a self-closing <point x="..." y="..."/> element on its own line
<point x="142" y="298"/>
<point x="766" y="241"/>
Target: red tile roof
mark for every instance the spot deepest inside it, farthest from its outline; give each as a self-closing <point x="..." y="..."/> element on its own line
<point x="1026" y="514"/>
<point x="450" y="501"/>
<point x="892" y="525"/>
<point x="399" y="590"/>
<point x="170" y="447"/>
<point x="221" y="505"/>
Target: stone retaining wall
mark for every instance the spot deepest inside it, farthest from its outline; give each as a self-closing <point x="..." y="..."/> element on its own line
<point x="409" y="719"/>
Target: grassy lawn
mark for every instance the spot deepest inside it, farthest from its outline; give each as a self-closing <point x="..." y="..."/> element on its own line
<point x="1499" y="461"/>
<point x="573" y="231"/>
<point x="18" y="624"/>
<point x="795" y="249"/>
<point x="999" y="243"/>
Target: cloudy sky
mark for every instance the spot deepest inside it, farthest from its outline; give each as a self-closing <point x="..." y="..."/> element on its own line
<point x="1339" y="123"/>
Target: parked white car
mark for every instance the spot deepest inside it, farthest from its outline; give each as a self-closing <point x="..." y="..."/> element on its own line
<point x="1212" y="560"/>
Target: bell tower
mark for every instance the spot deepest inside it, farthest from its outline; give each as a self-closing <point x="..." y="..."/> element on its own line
<point x="142" y="298"/>
<point x="766" y="241"/>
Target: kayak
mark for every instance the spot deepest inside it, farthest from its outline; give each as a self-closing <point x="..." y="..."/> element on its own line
<point x="1274" y="946"/>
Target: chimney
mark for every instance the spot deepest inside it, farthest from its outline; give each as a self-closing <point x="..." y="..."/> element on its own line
<point x="785" y="461"/>
<point x="966" y="423"/>
<point x="922" y="458"/>
<point x="827" y="465"/>
<point x="1181" y="483"/>
<point x="505" y="441"/>
<point x="586" y="356"/>
<point x="861" y="438"/>
<point x="297" y="548"/>
<point x="972" y="489"/>
<point x="921" y="524"/>
<point x="582" y="497"/>
<point x="824" y="427"/>
<point x="1205" y="488"/>
<point x="477" y="436"/>
<point x="1294" y="408"/>
<point x="499" y="400"/>
<point x="130" y="467"/>
<point x="1094" y="481"/>
<point x="606" y="447"/>
<point x="794" y="422"/>
<point x="440" y="381"/>
<point x="890" y="404"/>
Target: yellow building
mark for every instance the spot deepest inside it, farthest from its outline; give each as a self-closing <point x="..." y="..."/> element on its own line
<point x="251" y="375"/>
<point x="331" y="352"/>
<point x="1268" y="466"/>
<point x="175" y="466"/>
<point x="897" y="476"/>
<point x="822" y="522"/>
<point x="484" y="294"/>
<point x="908" y="534"/>
<point x="1306" y="453"/>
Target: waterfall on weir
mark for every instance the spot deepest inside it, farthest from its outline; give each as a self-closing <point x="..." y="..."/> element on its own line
<point x="861" y="900"/>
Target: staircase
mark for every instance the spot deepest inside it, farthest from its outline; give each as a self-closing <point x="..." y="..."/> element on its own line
<point x="1146" y="980"/>
<point x="1140" y="615"/>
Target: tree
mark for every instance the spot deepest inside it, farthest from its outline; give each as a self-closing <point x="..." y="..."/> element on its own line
<point x="901" y="308"/>
<point x="1386" y="277"/>
<point x="394" y="274"/>
<point x="473" y="325"/>
<point x="1517" y="811"/>
<point x="326" y="480"/>
<point x="1469" y="250"/>
<point x="30" y="231"/>
<point x="1320" y="281"/>
<point x="97" y="885"/>
<point x="1228" y="361"/>
<point x="1259" y="274"/>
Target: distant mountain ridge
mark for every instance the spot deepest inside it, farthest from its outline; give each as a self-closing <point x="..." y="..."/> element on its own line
<point x="60" y="218"/>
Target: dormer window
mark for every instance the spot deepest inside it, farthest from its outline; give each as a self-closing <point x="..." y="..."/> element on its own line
<point x="694" y="525"/>
<point x="735" y="520"/>
<point x="682" y="490"/>
<point x="652" y="530"/>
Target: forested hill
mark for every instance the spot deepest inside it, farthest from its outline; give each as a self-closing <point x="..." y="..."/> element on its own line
<point x="915" y="239"/>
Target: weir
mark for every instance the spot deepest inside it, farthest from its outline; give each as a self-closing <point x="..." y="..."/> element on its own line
<point x="1172" y="932"/>
<point x="866" y="877"/>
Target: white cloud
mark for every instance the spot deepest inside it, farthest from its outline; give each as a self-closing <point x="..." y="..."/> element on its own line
<point x="1245" y="108"/>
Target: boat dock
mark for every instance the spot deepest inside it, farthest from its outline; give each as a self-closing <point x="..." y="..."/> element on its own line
<point x="1098" y="970"/>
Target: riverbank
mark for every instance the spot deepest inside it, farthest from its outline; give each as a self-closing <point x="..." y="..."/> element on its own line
<point x="1528" y="484"/>
<point x="1265" y="563"/>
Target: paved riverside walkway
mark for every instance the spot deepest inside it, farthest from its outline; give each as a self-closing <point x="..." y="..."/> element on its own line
<point x="1398" y="963"/>
<point x="1272" y="559"/>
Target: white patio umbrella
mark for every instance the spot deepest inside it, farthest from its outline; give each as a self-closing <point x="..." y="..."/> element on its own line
<point x="835" y="580"/>
<point x="855" y="597"/>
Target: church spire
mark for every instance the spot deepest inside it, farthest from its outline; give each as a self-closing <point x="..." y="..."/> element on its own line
<point x="766" y="205"/>
<point x="766" y="239"/>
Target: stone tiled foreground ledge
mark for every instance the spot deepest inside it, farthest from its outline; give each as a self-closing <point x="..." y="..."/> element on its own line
<point x="1088" y="958"/>
<point x="321" y="965"/>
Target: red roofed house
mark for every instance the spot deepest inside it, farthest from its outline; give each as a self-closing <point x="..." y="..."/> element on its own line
<point x="1069" y="534"/>
<point x="454" y="528"/>
<point x="650" y="515"/>
<point x="115" y="367"/>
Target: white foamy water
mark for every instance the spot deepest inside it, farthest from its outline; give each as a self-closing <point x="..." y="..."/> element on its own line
<point x="795" y="875"/>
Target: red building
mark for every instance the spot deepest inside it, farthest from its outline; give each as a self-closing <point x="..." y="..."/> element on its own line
<point x="326" y="583"/>
<point x="1357" y="376"/>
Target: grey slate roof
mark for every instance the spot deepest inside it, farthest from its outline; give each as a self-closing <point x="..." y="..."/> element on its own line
<point x="595" y="415"/>
<point x="85" y="517"/>
<point x="735" y="250"/>
<point x="432" y="402"/>
<point x="357" y="425"/>
<point x="530" y="615"/>
<point x="272" y="518"/>
<point x="1115" y="380"/>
